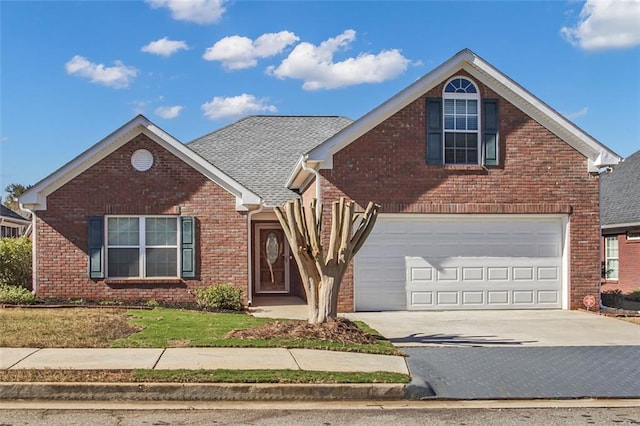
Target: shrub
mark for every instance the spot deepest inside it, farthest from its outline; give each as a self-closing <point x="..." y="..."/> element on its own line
<point x="15" y="262"/>
<point x="219" y="297"/>
<point x="12" y="295"/>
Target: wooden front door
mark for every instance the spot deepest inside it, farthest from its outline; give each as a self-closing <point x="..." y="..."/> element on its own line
<point x="272" y="260"/>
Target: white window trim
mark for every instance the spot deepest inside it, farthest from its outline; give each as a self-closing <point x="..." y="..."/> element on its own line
<point x="142" y="264"/>
<point x="633" y="235"/>
<point x="467" y="96"/>
<point x="607" y="241"/>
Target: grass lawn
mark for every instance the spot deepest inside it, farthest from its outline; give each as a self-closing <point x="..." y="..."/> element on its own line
<point x="632" y="320"/>
<point x="159" y="327"/>
<point x="199" y="376"/>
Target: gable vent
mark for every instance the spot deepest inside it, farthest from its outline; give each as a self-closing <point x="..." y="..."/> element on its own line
<point x="142" y="160"/>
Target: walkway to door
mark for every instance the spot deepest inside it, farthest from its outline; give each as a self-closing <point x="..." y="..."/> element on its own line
<point x="290" y="307"/>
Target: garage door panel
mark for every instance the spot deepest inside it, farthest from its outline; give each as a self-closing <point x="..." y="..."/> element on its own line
<point x="420" y="262"/>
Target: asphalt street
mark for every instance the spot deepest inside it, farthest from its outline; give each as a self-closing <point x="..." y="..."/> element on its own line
<point x="351" y="417"/>
<point x="525" y="372"/>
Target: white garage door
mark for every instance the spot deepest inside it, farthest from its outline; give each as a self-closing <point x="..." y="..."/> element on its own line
<point x="444" y="262"/>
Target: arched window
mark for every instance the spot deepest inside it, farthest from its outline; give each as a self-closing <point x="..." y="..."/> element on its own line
<point x="461" y="124"/>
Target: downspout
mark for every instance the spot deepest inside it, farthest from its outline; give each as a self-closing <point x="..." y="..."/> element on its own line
<point x="249" y="249"/>
<point x="318" y="183"/>
<point x="34" y="282"/>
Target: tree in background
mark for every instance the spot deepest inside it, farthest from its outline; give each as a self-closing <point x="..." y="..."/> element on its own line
<point x="14" y="191"/>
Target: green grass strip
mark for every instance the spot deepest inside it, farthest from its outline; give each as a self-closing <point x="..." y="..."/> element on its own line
<point x="266" y="376"/>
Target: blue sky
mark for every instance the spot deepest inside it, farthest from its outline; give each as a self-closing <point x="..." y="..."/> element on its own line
<point x="74" y="71"/>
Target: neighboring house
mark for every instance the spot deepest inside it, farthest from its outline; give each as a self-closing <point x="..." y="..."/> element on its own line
<point x="620" y="223"/>
<point x="12" y="225"/>
<point x="489" y="200"/>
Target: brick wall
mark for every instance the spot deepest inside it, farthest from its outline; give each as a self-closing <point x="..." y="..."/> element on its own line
<point x="628" y="266"/>
<point x="538" y="173"/>
<point x="113" y="186"/>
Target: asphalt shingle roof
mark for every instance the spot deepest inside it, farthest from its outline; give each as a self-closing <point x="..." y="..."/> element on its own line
<point x="261" y="151"/>
<point x="7" y="212"/>
<point x="620" y="193"/>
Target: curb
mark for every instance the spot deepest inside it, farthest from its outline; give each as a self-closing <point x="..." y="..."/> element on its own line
<point x="199" y="392"/>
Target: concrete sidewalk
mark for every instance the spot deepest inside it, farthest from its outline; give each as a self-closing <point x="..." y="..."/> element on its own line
<point x="198" y="358"/>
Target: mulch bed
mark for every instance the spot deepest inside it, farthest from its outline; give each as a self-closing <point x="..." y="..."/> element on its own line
<point x="339" y="330"/>
<point x="617" y="312"/>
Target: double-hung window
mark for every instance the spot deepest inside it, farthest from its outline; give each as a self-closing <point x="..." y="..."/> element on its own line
<point x="462" y="128"/>
<point x="611" y="257"/>
<point x="142" y="246"/>
<point x="461" y="125"/>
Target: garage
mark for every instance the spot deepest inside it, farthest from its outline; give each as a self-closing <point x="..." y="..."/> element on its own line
<point x="448" y="262"/>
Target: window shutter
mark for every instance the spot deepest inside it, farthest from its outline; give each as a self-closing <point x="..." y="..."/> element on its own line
<point x="434" y="131"/>
<point x="490" y="132"/>
<point x="96" y="246"/>
<point x="187" y="247"/>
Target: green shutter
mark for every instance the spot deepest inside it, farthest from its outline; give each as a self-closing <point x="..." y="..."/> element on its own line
<point x="490" y="132"/>
<point x="434" y="131"/>
<point x="96" y="246"/>
<point x="187" y="247"/>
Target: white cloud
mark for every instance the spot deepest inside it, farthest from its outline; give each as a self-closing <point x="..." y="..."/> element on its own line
<point x="164" y="47"/>
<point x="237" y="52"/>
<point x="168" y="112"/>
<point x="235" y="106"/>
<point x="606" y="24"/>
<point x="577" y="114"/>
<point x="118" y="76"/>
<point x="314" y="65"/>
<point x="198" y="11"/>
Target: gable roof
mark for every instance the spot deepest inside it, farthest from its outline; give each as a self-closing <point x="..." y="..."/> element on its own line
<point x="7" y="213"/>
<point x="260" y="151"/>
<point x="620" y="194"/>
<point x="598" y="155"/>
<point x="36" y="197"/>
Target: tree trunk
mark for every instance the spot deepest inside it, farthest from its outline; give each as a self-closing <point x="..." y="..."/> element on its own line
<point x="322" y="274"/>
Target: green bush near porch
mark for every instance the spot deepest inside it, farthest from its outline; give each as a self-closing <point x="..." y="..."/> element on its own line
<point x="219" y="297"/>
<point x="15" y="262"/>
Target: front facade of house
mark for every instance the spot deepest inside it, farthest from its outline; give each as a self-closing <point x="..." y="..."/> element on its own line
<point x="489" y="201"/>
<point x="620" y="222"/>
<point x="12" y="225"/>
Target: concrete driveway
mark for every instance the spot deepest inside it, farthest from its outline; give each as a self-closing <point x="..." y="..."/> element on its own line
<point x="501" y="328"/>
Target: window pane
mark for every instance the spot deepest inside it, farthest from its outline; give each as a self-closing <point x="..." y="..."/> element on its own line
<point x="449" y="156"/>
<point x="123" y="262"/>
<point x="122" y="231"/>
<point x="472" y="156"/>
<point x="162" y="262"/>
<point x="161" y="231"/>
<point x="461" y="106"/>
<point x="449" y="140"/>
<point x="612" y="246"/>
<point x="461" y="123"/>
<point x="448" y="122"/>
<point x="612" y="269"/>
<point x="472" y="122"/>
<point x="448" y="106"/>
<point x="472" y="106"/>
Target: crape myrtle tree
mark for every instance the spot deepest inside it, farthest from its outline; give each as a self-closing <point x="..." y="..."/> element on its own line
<point x="322" y="268"/>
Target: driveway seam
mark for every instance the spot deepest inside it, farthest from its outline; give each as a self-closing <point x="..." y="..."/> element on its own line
<point x="294" y="359"/>
<point x="23" y="358"/>
<point x="159" y="358"/>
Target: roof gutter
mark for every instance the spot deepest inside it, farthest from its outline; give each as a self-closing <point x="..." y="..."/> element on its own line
<point x="621" y="225"/>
